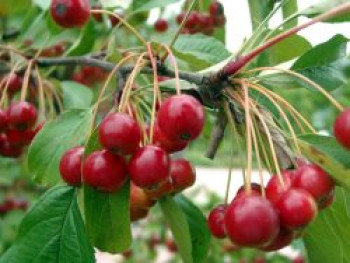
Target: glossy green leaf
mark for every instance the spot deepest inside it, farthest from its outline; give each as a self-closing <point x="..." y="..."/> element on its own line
<point x="259" y="10"/>
<point x="107" y="216"/>
<point x="200" y="234"/>
<point x="145" y="5"/>
<point x="323" y="54"/>
<point x="68" y="130"/>
<point x="324" y="6"/>
<point x="179" y="227"/>
<point x="75" y="95"/>
<point x="288" y="9"/>
<point x="85" y="42"/>
<point x="52" y="232"/>
<point x="328" y="154"/>
<point x="327" y="240"/>
<point x="200" y="51"/>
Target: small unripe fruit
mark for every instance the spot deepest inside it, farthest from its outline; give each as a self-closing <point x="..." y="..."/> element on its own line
<point x="139" y="198"/>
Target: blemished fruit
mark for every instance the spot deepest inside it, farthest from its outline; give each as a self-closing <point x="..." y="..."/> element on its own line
<point x="164" y="189"/>
<point x="70" y="13"/>
<point x="296" y="209"/>
<point x="139" y="198"/>
<point x="284" y="238"/>
<point x="216" y="221"/>
<point x="161" y="25"/>
<point x="341" y="128"/>
<point x="170" y="146"/>
<point x="181" y="118"/>
<point x="314" y="180"/>
<point x="251" y="221"/>
<point x="104" y="171"/>
<point x="119" y="133"/>
<point x="149" y="167"/>
<point x="70" y="166"/>
<point x="275" y="189"/>
<point x="21" y="115"/>
<point x="182" y="174"/>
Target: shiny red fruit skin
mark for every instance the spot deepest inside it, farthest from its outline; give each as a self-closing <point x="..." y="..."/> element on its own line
<point x="182" y="174"/>
<point x="251" y="221"/>
<point x="119" y="132"/>
<point x="70" y="13"/>
<point x="192" y="20"/>
<point x="3" y="121"/>
<point x="256" y="190"/>
<point x="14" y="83"/>
<point x="216" y="221"/>
<point x="274" y="188"/>
<point x="181" y="118"/>
<point x="296" y="209"/>
<point x="7" y="150"/>
<point x="19" y="138"/>
<point x="284" y="238"/>
<point x="161" y="26"/>
<point x="21" y="115"/>
<point x="314" y="180"/>
<point x="341" y="128"/>
<point x="170" y="146"/>
<point x="105" y="171"/>
<point x="327" y="201"/>
<point x="216" y="9"/>
<point x="149" y="167"/>
<point x="70" y="166"/>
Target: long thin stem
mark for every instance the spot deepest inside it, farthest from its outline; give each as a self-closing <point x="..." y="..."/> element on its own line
<point x="248" y="137"/>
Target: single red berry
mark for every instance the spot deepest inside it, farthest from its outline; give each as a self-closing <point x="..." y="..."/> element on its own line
<point x="70" y="166"/>
<point x="216" y="9"/>
<point x="3" y="121"/>
<point x="284" y="238"/>
<point x="7" y="150"/>
<point x="139" y="198"/>
<point x="192" y="20"/>
<point x="15" y="82"/>
<point x="251" y="221"/>
<point x="170" y="146"/>
<point x="171" y="245"/>
<point x="180" y="17"/>
<point x="314" y="180"/>
<point x="341" y="128"/>
<point x="58" y="49"/>
<point x="161" y="25"/>
<point x="275" y="189"/>
<point x="119" y="132"/>
<point x="165" y="188"/>
<point x="79" y="77"/>
<point x="70" y="13"/>
<point x="149" y="167"/>
<point x="296" y="209"/>
<point x="21" y="115"/>
<point x="182" y="174"/>
<point x="105" y="171"/>
<point x="181" y="118"/>
<point x="216" y="221"/>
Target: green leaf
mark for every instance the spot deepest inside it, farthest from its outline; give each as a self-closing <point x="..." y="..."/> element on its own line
<point x="284" y="51"/>
<point x="327" y="153"/>
<point x="179" y="227"/>
<point x="324" y="6"/>
<point x="288" y="9"/>
<point x="107" y="215"/>
<point x="200" y="234"/>
<point x="8" y="8"/>
<point x="146" y="5"/>
<point x="85" y="42"/>
<point x="75" y="95"/>
<point x="43" y="4"/>
<point x="259" y="10"/>
<point x="323" y="54"/>
<point x="200" y="51"/>
<point x="70" y="129"/>
<point x="327" y="240"/>
<point x="52" y="231"/>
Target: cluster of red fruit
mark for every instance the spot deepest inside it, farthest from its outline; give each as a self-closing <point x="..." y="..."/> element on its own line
<point x="11" y="204"/>
<point x="17" y="128"/>
<point x="89" y="75"/>
<point x="272" y="222"/>
<point x="180" y="119"/>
